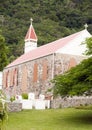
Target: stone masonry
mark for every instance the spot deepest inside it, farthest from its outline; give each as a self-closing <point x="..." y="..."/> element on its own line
<point x="36" y="75"/>
<point x="71" y="102"/>
<point x="14" y="107"/>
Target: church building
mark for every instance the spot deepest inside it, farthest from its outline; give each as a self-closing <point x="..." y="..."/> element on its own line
<point x="34" y="70"/>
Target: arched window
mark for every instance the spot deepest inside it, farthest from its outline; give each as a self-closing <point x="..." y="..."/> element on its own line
<point x="7" y="79"/>
<point x="72" y="63"/>
<point x="24" y="78"/>
<point x="35" y="72"/>
<point x="44" y="74"/>
<point x="11" y="77"/>
<point x="4" y="79"/>
<point x="15" y="77"/>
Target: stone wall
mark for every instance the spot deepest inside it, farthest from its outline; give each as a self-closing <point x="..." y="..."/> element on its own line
<point x="25" y="77"/>
<point x="63" y="62"/>
<point x="36" y="75"/>
<point x="71" y="101"/>
<point x="14" y="107"/>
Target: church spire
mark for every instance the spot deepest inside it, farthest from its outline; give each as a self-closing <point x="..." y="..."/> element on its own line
<point x="30" y="38"/>
<point x="31" y="35"/>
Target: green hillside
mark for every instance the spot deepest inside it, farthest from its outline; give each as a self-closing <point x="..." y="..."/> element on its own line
<point x="52" y="20"/>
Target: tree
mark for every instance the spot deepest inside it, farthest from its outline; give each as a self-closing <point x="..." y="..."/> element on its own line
<point x="78" y="80"/>
<point x="88" y="42"/>
<point x="3" y="111"/>
<point x="3" y="53"/>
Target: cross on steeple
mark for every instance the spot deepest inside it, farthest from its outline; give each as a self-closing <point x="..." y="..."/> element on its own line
<point x="31" y="20"/>
<point x="86" y="26"/>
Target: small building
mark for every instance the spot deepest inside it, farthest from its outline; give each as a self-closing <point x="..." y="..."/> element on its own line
<point x="34" y="70"/>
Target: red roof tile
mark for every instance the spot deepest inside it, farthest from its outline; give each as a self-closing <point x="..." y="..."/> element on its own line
<point x="31" y="35"/>
<point x="44" y="50"/>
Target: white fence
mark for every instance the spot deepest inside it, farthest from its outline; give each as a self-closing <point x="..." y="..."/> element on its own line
<point x="32" y="103"/>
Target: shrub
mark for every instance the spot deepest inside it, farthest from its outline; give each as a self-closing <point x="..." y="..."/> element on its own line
<point x="3" y="110"/>
<point x="24" y="95"/>
<point x="12" y="98"/>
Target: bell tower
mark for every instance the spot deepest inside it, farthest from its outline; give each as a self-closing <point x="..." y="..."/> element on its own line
<point x="30" y="39"/>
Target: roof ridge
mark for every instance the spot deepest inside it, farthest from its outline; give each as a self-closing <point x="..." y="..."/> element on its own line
<point x="44" y="50"/>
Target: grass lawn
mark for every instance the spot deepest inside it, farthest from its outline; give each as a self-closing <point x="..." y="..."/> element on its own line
<point x="53" y="119"/>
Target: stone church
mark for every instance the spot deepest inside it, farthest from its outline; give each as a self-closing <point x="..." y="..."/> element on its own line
<point x="34" y="70"/>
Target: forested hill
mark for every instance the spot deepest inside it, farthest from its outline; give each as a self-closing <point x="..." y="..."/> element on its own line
<point x="53" y="19"/>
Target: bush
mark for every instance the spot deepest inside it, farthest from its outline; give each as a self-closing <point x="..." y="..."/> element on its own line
<point x="24" y="95"/>
<point x="12" y="98"/>
<point x="3" y="110"/>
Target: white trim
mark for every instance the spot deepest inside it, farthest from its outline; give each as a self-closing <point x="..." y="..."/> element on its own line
<point x="35" y="40"/>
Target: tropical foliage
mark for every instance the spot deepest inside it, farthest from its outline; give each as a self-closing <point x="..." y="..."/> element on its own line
<point x="3" y="53"/>
<point x="3" y="111"/>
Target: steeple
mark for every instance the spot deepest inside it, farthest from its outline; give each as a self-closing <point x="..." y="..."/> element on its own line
<point x="30" y="39"/>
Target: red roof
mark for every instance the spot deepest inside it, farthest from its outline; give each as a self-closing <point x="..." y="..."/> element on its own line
<point x="31" y="35"/>
<point x="44" y="50"/>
